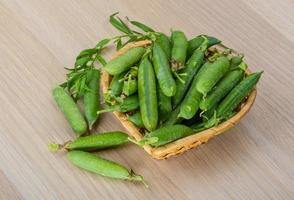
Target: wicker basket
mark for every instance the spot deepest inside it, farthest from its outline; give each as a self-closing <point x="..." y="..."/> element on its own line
<point x="184" y="144"/>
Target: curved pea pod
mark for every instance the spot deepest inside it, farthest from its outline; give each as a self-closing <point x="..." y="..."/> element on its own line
<point x="70" y="110"/>
<point x="225" y="85"/>
<point x="179" y="49"/>
<point x="130" y="86"/>
<point x="147" y="94"/>
<point x="165" y="135"/>
<point x="211" y="74"/>
<point x="115" y="89"/>
<point x="91" y="97"/>
<point x="173" y="117"/>
<point x="165" y="43"/>
<point x="237" y="95"/>
<point x="192" y="67"/>
<point x="164" y="105"/>
<point x="93" y="142"/>
<point x="124" y="61"/>
<point x="101" y="166"/>
<point x="128" y="104"/>
<point x="195" y="43"/>
<point x="163" y="71"/>
<point x="136" y="119"/>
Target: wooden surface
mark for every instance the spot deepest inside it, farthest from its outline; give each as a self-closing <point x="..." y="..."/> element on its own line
<point x="254" y="160"/>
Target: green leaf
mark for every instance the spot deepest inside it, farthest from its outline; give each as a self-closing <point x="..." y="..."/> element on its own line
<point x="101" y="60"/>
<point x="101" y="44"/>
<point x="119" y="24"/>
<point x="118" y="44"/>
<point x="87" y="52"/>
<point x="142" y="26"/>
<point x="82" y="61"/>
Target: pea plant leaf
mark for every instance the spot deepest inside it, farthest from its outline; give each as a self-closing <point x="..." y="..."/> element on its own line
<point x="141" y="26"/>
<point x="119" y="24"/>
<point x="102" y="43"/>
<point x="101" y="60"/>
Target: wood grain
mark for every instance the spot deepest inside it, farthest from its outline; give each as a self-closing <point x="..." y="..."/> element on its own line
<point x="38" y="38"/>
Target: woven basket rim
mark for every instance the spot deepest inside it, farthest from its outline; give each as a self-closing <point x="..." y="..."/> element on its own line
<point x="186" y="143"/>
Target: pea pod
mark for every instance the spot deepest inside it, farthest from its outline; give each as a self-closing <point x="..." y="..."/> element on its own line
<point x="136" y="119"/>
<point x="128" y="104"/>
<point x="91" y="98"/>
<point x="164" y="41"/>
<point x="147" y="94"/>
<point x="101" y="166"/>
<point x="163" y="71"/>
<point x="166" y="135"/>
<point x="124" y="61"/>
<point x="236" y="61"/>
<point x="130" y="86"/>
<point x="179" y="49"/>
<point x="195" y="43"/>
<point x="221" y="89"/>
<point x="164" y="105"/>
<point x="93" y="142"/>
<point x="173" y="117"/>
<point x="115" y="89"/>
<point x="193" y="65"/>
<point x="211" y="74"/>
<point x="70" y="110"/>
<point x="236" y="96"/>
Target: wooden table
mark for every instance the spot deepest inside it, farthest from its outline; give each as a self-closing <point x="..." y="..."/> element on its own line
<point x="254" y="160"/>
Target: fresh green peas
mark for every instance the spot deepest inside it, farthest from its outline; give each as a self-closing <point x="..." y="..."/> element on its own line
<point x="164" y="41"/>
<point x="173" y="117"/>
<point x="128" y="104"/>
<point x="101" y="166"/>
<point x="94" y="142"/>
<point x="163" y="71"/>
<point x="130" y="86"/>
<point x="164" y="105"/>
<point x="235" y="97"/>
<point x="195" y="43"/>
<point x="191" y="68"/>
<point x="70" y="110"/>
<point x="179" y="49"/>
<point x="236" y="61"/>
<point x="124" y="61"/>
<point x="147" y="94"/>
<point x="115" y="89"/>
<point x="91" y="97"/>
<point x="136" y="119"/>
<point x="222" y="88"/>
<point x="166" y="135"/>
<point x="211" y="74"/>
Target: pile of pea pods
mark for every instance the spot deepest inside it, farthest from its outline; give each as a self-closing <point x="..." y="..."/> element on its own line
<point x="171" y="88"/>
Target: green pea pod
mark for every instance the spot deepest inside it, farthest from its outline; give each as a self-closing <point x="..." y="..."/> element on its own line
<point x="70" y="110"/>
<point x="194" y="43"/>
<point x="211" y="74"/>
<point x="166" y="135"/>
<point x="164" y="105"/>
<point x="179" y="49"/>
<point x="225" y="85"/>
<point x="130" y="86"/>
<point x="165" y="43"/>
<point x="93" y="142"/>
<point x="101" y="166"/>
<point x="163" y="71"/>
<point x="237" y="95"/>
<point x="136" y="119"/>
<point x="193" y="65"/>
<point x="115" y="89"/>
<point x="91" y="98"/>
<point x="124" y="61"/>
<point x="173" y="117"/>
<point x="236" y="61"/>
<point x="147" y="94"/>
<point x="128" y="104"/>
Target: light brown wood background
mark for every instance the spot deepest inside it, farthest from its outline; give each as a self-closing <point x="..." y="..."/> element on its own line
<point x="254" y="160"/>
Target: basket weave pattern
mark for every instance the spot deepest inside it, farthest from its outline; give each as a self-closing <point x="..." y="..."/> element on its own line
<point x="184" y="144"/>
